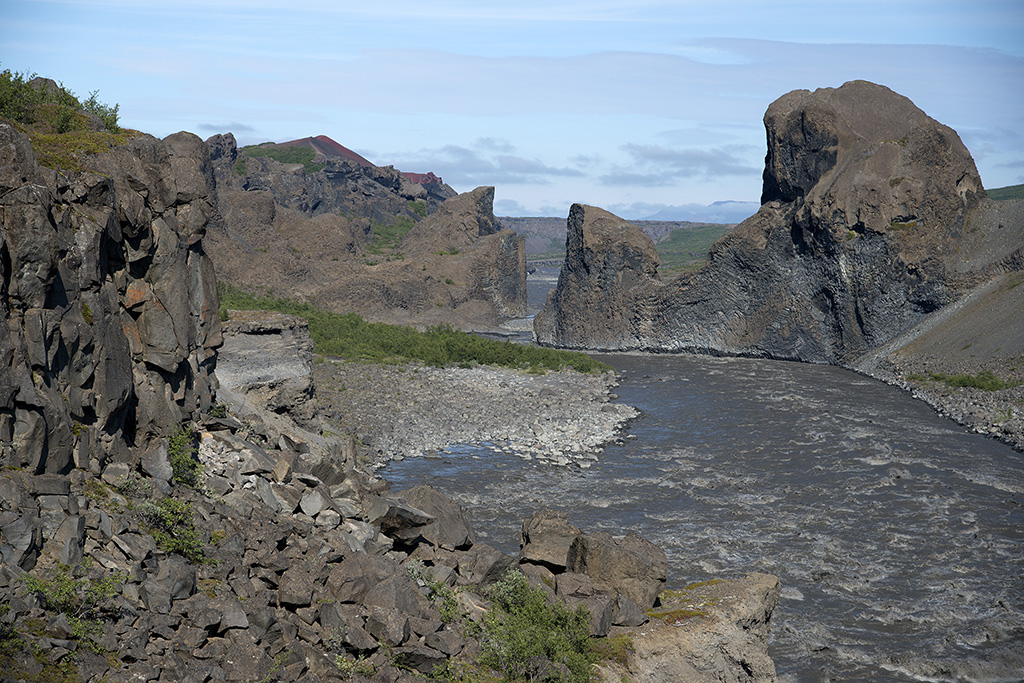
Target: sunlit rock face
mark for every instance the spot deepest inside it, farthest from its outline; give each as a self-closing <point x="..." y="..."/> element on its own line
<point x="108" y="299"/>
<point x="862" y="233"/>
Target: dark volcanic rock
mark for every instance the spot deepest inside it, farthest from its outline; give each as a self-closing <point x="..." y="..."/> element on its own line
<point x="629" y="565"/>
<point x="545" y="539"/>
<point x="108" y="300"/>
<point x="862" y="232"/>
<point x="610" y="266"/>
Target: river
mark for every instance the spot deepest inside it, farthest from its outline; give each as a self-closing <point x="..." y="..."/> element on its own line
<point x="898" y="537"/>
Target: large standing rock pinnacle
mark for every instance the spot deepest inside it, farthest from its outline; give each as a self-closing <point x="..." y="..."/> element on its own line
<point x="866" y="206"/>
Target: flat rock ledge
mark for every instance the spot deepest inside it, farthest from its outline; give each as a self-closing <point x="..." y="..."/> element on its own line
<point x="398" y="411"/>
<point x="707" y="632"/>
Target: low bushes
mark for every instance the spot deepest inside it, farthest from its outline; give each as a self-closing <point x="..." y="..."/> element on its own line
<point x="349" y="336"/>
<point x="525" y="637"/>
<point x="986" y="380"/>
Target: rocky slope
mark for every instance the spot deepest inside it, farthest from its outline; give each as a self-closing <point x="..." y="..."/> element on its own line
<point x="872" y="217"/>
<point x="285" y="561"/>
<point x="108" y="300"/>
<point x="336" y="238"/>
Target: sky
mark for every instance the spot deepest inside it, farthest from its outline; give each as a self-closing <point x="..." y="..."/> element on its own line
<point x="641" y="107"/>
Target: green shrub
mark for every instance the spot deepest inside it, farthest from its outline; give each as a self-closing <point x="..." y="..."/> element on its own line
<point x="524" y="634"/>
<point x="170" y="523"/>
<point x="439" y="592"/>
<point x="349" y="336"/>
<point x="349" y="666"/>
<point x="184" y="458"/>
<point x="81" y="599"/>
<point x="105" y="113"/>
<point x="56" y="121"/>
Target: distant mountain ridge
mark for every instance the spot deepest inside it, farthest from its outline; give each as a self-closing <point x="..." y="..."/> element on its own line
<point x="325" y="147"/>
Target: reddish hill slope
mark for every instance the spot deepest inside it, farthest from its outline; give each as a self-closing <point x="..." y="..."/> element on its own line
<point x="326" y="147"/>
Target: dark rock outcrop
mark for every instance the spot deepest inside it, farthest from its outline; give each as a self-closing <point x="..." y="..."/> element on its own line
<point x="346" y="184"/>
<point x="609" y="269"/>
<point x="108" y="300"/>
<point x="865" y="229"/>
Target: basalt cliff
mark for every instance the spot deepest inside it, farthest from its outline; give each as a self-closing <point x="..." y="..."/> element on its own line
<point x="108" y="299"/>
<point x="872" y="219"/>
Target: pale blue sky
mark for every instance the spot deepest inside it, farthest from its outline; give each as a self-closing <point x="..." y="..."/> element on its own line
<point x="629" y="105"/>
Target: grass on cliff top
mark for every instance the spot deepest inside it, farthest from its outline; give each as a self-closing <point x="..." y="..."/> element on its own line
<point x="59" y="126"/>
<point x="687" y="248"/>
<point x="1009" y="192"/>
<point x="349" y="336"/>
<point x="285" y="155"/>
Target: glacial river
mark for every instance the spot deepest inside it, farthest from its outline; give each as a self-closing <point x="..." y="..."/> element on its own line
<point x="898" y="537"/>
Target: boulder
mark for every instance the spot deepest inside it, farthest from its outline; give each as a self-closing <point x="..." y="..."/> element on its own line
<point x="483" y="564"/>
<point x="629" y="565"/>
<point x="578" y="590"/>
<point x="545" y="538"/>
<point x="398" y="519"/>
<point x="450" y="528"/>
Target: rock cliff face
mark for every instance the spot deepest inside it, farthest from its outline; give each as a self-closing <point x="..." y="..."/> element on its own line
<point x="495" y="259"/>
<point x="348" y="186"/>
<point x="864" y="229"/>
<point x="108" y="300"/>
<point x="309" y="234"/>
<point x="609" y="268"/>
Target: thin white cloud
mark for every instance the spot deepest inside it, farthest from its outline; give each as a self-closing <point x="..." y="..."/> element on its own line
<point x="481" y="165"/>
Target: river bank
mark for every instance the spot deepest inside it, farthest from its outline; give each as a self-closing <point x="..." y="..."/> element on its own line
<point x="396" y="411"/>
<point x="997" y="414"/>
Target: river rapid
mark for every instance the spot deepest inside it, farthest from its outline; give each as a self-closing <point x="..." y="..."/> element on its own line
<point x="898" y="536"/>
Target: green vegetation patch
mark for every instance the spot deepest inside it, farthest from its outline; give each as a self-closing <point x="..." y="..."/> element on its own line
<point x="185" y="465"/>
<point x="1008" y="192"/>
<point x="386" y="236"/>
<point x="986" y="380"/>
<point x="79" y="597"/>
<point x="170" y="523"/>
<point x="349" y="336"/>
<point x="524" y="634"/>
<point x="284" y="155"/>
<point x="686" y="248"/>
<point x="57" y="123"/>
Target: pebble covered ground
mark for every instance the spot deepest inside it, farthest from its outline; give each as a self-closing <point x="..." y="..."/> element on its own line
<point x="997" y="414"/>
<point x="397" y="411"/>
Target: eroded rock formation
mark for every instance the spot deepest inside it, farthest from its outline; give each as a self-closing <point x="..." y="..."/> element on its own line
<point x="310" y="235"/>
<point x="108" y="300"/>
<point x="865" y="228"/>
